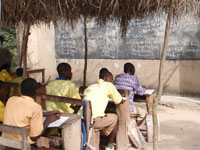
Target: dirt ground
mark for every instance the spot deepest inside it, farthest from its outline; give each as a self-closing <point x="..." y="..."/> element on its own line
<point x="179" y="123"/>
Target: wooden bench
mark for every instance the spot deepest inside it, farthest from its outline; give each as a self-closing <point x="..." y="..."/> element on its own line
<point x="23" y="132"/>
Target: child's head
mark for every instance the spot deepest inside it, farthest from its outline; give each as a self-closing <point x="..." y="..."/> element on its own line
<point x="129" y="68"/>
<point x="109" y="77"/>
<point x="19" y="72"/>
<point x="29" y="87"/>
<point x="64" y="70"/>
<point x="106" y="75"/>
<point x="102" y="73"/>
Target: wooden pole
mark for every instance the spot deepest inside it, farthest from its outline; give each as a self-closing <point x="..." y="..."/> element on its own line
<point x="161" y="73"/>
<point x="86" y="52"/>
<point x="24" y="50"/>
<point x="20" y="43"/>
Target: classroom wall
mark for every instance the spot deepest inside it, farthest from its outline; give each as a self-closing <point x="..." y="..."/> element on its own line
<point x="181" y="76"/>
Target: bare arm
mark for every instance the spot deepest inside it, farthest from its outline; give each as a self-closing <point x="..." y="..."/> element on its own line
<point x="51" y="117"/>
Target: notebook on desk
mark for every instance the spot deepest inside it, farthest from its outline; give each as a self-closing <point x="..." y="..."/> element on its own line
<point x="149" y="91"/>
<point x="58" y="122"/>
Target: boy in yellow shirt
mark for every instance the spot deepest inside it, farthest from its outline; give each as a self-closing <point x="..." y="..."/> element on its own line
<point x="62" y="86"/>
<point x="99" y="95"/>
<point x="23" y="111"/>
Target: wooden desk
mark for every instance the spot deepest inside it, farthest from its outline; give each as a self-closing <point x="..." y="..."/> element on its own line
<point x="71" y="129"/>
<point x="125" y="137"/>
<point x="71" y="132"/>
<point x="123" y="112"/>
<point x="37" y="71"/>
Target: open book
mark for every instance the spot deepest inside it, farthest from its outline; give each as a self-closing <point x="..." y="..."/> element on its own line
<point x="149" y="91"/>
<point x="58" y="122"/>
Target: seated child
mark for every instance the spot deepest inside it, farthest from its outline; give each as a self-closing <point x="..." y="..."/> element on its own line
<point x="28" y="113"/>
<point x="62" y="86"/>
<point x="128" y="81"/>
<point x="99" y="95"/>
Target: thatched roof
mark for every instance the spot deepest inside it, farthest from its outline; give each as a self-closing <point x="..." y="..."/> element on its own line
<point x="37" y="11"/>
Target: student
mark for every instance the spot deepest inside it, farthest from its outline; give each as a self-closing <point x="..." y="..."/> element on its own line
<point x="128" y="81"/>
<point x="2" y="98"/>
<point x="5" y="73"/>
<point x="99" y="95"/>
<point x="18" y="80"/>
<point x="62" y="86"/>
<point x="23" y="111"/>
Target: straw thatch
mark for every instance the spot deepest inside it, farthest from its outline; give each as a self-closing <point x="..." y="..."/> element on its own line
<point x="37" y="11"/>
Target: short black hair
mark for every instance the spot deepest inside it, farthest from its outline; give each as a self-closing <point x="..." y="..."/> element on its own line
<point x="5" y="66"/>
<point x="61" y="67"/>
<point x="129" y="68"/>
<point x="29" y="87"/>
<point x="1" y="39"/>
<point x="102" y="73"/>
<point x="19" y="72"/>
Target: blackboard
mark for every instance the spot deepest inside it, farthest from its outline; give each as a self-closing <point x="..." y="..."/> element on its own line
<point x="144" y="40"/>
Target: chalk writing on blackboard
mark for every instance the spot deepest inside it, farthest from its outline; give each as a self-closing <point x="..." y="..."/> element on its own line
<point x="144" y="40"/>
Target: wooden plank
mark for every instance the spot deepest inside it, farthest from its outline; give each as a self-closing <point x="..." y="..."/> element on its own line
<point x="10" y="142"/>
<point x="14" y="129"/>
<point x="25" y="144"/>
<point x="62" y="99"/>
<point x="37" y="71"/>
<point x="71" y="136"/>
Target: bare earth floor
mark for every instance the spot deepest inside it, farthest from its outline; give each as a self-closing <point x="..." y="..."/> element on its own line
<point x="179" y="123"/>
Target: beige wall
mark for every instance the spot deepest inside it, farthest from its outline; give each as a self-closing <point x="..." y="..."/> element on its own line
<point x="181" y="77"/>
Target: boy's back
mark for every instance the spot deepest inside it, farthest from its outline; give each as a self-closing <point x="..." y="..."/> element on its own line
<point x="64" y="88"/>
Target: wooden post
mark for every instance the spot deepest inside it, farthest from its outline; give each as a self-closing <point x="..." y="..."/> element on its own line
<point x="161" y="73"/>
<point x="123" y="112"/>
<point x="24" y="50"/>
<point x="86" y="52"/>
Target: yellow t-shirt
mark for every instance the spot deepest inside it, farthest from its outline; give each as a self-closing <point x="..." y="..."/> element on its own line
<point x="5" y="76"/>
<point x="99" y="95"/>
<point x="2" y="110"/>
<point x="23" y="112"/>
<point x="19" y="81"/>
<point x="64" y="88"/>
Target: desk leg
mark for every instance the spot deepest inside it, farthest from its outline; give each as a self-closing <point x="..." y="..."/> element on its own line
<point x="122" y="139"/>
<point x="149" y="103"/>
<point x="71" y="136"/>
